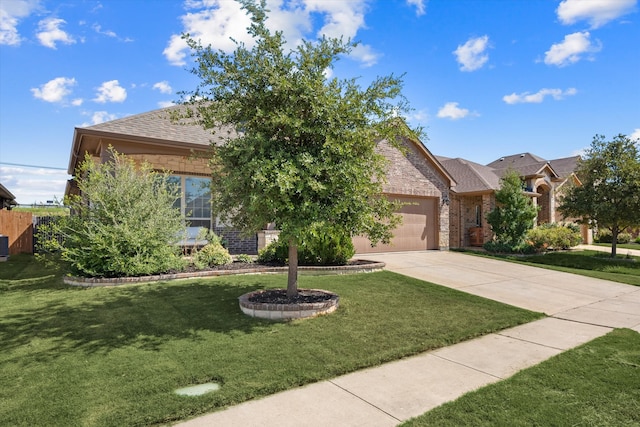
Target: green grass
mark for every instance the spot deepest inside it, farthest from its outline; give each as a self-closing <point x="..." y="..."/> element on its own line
<point x="44" y="210"/>
<point x="596" y="384"/>
<point x="114" y="356"/>
<point x="621" y="246"/>
<point x="586" y="263"/>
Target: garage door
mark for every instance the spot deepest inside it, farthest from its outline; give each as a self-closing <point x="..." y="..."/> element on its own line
<point x="417" y="232"/>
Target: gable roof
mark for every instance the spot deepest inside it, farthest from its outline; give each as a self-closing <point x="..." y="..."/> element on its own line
<point x="516" y="161"/>
<point x="470" y="177"/>
<point x="526" y="164"/>
<point x="565" y="166"/>
<point x="157" y="127"/>
<point x="7" y="199"/>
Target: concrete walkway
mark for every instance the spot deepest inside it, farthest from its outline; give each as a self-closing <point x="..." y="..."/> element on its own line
<point x="619" y="250"/>
<point x="581" y="309"/>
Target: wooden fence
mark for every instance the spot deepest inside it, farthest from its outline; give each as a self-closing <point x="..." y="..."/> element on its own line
<point x="19" y="227"/>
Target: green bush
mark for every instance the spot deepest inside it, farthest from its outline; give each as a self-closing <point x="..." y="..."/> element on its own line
<point x="495" y="246"/>
<point x="244" y="258"/>
<point x="326" y="247"/>
<point x="124" y="224"/>
<point x="637" y="240"/>
<point x="605" y="236"/>
<point x="554" y="236"/>
<point x="212" y="255"/>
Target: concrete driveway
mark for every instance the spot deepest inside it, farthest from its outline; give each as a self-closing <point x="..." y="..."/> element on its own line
<point x="581" y="309"/>
<point x="561" y="295"/>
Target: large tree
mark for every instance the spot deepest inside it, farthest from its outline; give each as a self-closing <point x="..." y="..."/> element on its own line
<point x="303" y="155"/>
<point x="609" y="196"/>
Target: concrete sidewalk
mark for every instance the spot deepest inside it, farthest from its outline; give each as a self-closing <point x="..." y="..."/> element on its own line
<point x="619" y="250"/>
<point x="581" y="308"/>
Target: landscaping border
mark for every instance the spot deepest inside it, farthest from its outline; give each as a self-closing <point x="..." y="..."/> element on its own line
<point x="359" y="267"/>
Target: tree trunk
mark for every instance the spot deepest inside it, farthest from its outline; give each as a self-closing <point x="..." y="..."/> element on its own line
<point x="614" y="240"/>
<point x="292" y="279"/>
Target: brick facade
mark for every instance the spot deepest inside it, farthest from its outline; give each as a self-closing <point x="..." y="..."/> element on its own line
<point x="184" y="165"/>
<point x="411" y="173"/>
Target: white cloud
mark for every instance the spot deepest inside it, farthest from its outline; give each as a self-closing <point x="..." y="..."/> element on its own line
<point x="471" y="55"/>
<point x="98" y="29"/>
<point x="420" y="6"/>
<point x="10" y="14"/>
<point x="538" y="97"/>
<point x="165" y="104"/>
<point x="110" y="91"/>
<point x="77" y="102"/>
<point x="450" y="110"/>
<point x="635" y="135"/>
<point x="571" y="49"/>
<point x="49" y="33"/>
<point x="596" y="12"/>
<point x="54" y="90"/>
<point x="163" y="87"/>
<point x="101" y="117"/>
<point x="34" y="185"/>
<point x="215" y="22"/>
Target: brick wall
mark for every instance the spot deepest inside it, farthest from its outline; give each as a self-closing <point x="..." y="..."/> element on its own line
<point x="237" y="243"/>
<point x="410" y="173"/>
<point x="186" y="165"/>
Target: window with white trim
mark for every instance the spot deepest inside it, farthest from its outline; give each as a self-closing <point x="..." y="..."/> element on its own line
<point x="195" y="199"/>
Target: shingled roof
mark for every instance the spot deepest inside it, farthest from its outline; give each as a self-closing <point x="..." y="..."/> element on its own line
<point x="158" y="125"/>
<point x="470" y="177"/>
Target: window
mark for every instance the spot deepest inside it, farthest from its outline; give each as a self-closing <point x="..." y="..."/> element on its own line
<point x="478" y="215"/>
<point x="195" y="199"/>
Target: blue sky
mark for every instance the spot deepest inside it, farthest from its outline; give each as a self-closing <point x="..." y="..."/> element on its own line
<point x="486" y="78"/>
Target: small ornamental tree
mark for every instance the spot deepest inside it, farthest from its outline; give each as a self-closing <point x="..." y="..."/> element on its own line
<point x="304" y="154"/>
<point x="513" y="215"/>
<point x="122" y="224"/>
<point x="609" y="196"/>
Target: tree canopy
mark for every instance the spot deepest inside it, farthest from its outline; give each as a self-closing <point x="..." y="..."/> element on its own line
<point x="609" y="196"/>
<point x="514" y="213"/>
<point x="304" y="153"/>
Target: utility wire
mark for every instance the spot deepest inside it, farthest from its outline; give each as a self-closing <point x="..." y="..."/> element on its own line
<point x="32" y="166"/>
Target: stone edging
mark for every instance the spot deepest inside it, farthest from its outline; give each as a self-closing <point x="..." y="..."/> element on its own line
<point x="288" y="311"/>
<point x="100" y="282"/>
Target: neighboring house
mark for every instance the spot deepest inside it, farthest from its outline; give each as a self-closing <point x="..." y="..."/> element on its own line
<point x="474" y="196"/>
<point x="7" y="199"/>
<point x="415" y="177"/>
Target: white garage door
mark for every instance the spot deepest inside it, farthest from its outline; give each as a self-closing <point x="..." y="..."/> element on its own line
<point x="417" y="232"/>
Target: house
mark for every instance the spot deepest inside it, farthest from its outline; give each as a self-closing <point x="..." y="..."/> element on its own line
<point x="446" y="201"/>
<point x="7" y="199"/>
<point x="415" y="177"/>
<point x="474" y="196"/>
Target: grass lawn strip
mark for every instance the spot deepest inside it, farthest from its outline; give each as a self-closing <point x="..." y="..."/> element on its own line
<point x="585" y="263"/>
<point x="596" y="384"/>
<point x="114" y="356"/>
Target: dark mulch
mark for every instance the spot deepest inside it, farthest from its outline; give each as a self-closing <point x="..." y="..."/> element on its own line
<point x="279" y="296"/>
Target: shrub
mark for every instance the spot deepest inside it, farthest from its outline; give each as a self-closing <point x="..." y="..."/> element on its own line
<point x="244" y="258"/>
<point x="212" y="255"/>
<point x="637" y="240"/>
<point x="124" y="224"/>
<point x="605" y="236"/>
<point x="554" y="236"/>
<point x="326" y="247"/>
<point x="495" y="246"/>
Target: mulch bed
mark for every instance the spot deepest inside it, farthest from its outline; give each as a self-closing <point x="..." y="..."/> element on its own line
<point x="279" y="296"/>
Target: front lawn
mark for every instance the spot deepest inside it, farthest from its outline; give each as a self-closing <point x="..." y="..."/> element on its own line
<point x="596" y="384"/>
<point x="114" y="356"/>
<point x="586" y="263"/>
<point x="621" y="246"/>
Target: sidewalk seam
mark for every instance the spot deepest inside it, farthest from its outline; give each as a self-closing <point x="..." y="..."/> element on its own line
<point x="365" y="401"/>
<point x="469" y="367"/>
